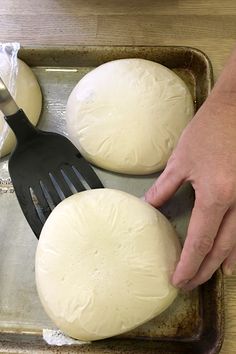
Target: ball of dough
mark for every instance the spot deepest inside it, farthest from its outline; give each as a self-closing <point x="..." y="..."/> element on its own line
<point x="27" y="96"/>
<point x="104" y="262"/>
<point x="127" y="115"/>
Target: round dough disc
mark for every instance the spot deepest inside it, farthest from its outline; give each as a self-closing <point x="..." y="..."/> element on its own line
<point x="104" y="262"/>
<point x="127" y="115"/>
<point x="27" y="96"/>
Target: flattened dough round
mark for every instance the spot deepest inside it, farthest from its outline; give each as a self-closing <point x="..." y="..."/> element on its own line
<point x="104" y="262"/>
<point x="127" y="115"/>
<point x="27" y="96"/>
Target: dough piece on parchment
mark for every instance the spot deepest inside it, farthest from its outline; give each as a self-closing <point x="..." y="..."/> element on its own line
<point x="104" y="262"/>
<point x="27" y="96"/>
<point x="127" y="115"/>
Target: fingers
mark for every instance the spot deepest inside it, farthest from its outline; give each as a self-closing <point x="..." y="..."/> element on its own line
<point x="223" y="246"/>
<point x="165" y="186"/>
<point x="229" y="263"/>
<point x="203" y="227"/>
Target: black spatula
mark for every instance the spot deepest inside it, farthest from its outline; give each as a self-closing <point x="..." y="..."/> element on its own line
<point x="45" y="167"/>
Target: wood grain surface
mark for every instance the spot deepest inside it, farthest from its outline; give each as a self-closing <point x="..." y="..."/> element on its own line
<point x="209" y="25"/>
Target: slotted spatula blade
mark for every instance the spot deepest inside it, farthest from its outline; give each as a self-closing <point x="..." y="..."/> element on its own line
<point x="45" y="168"/>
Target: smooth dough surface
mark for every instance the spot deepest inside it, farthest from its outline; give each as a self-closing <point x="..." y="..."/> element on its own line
<point x="127" y="115"/>
<point x="27" y="96"/>
<point x="104" y="262"/>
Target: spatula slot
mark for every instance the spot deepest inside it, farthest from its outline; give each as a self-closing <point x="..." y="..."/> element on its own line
<point x="37" y="206"/>
<point x="68" y="181"/>
<point x="48" y="198"/>
<point x="57" y="187"/>
<point x="50" y="191"/>
<point x="81" y="178"/>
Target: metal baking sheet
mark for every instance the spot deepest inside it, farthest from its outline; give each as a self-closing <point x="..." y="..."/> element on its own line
<point x="194" y="322"/>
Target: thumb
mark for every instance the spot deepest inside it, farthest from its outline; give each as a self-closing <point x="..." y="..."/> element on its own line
<point x="165" y="186"/>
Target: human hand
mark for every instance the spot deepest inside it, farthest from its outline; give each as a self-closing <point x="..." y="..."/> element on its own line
<point x="206" y="157"/>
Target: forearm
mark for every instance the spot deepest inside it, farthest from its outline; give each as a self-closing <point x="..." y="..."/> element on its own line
<point x="225" y="87"/>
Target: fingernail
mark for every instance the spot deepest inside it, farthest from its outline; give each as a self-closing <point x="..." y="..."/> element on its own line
<point x="188" y="287"/>
<point x="227" y="271"/>
<point x="180" y="284"/>
<point x="146" y="197"/>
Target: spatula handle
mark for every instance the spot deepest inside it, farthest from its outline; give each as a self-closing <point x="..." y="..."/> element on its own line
<point x="7" y="104"/>
<point x="14" y="116"/>
<point x="21" y="126"/>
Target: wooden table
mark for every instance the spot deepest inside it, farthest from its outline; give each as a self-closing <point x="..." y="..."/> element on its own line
<point x="209" y="25"/>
